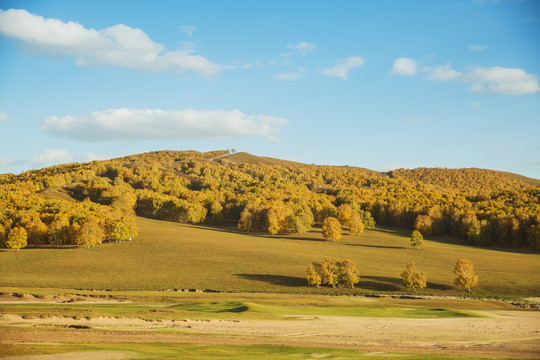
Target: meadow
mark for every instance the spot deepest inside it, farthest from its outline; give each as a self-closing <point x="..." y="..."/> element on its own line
<point x="170" y="255"/>
<point x="132" y="299"/>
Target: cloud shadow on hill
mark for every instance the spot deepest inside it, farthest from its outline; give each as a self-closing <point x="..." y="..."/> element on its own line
<point x="280" y="280"/>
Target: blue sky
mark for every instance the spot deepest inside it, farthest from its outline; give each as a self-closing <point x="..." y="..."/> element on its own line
<point x="376" y="84"/>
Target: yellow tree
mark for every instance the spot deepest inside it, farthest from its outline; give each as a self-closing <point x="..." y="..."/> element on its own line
<point x="2" y="233"/>
<point x="412" y="278"/>
<point x="89" y="234"/>
<point x="465" y="275"/>
<point x="356" y="225"/>
<point x="131" y="224"/>
<point x="37" y="231"/>
<point x="272" y="221"/>
<point x="331" y="229"/>
<point x="117" y="231"/>
<point x="424" y="224"/>
<point x="330" y="271"/>
<point x="417" y="239"/>
<point x="344" y="212"/>
<point x="313" y="274"/>
<point x="348" y="273"/>
<point x="58" y="229"/>
<point x="16" y="238"/>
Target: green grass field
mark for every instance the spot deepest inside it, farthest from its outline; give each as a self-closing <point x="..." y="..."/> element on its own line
<point x="170" y="255"/>
<point x="155" y="306"/>
<point x="215" y="352"/>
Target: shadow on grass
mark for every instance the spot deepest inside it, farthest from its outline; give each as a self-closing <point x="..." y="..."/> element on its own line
<point x="379" y="283"/>
<point x="314" y="236"/>
<point x="239" y="309"/>
<point x="436" y="286"/>
<point x="281" y="280"/>
<point x="399" y="231"/>
<point x="378" y="246"/>
<point x="383" y="283"/>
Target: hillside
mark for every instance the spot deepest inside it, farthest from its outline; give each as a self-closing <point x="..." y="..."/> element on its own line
<point x="471" y="181"/>
<point x="168" y="255"/>
<point x="86" y="204"/>
<point x="246" y="158"/>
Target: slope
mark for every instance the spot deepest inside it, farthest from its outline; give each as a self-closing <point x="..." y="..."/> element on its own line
<point x="171" y="255"/>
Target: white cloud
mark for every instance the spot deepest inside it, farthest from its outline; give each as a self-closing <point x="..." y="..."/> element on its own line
<point x="477" y="47"/>
<point x="91" y="157"/>
<point x="532" y="162"/>
<point x="52" y="156"/>
<point x="404" y="66"/>
<point x="187" y="29"/>
<point x="118" y="45"/>
<point x="274" y="139"/>
<point x="475" y="105"/>
<point x="131" y="124"/>
<point x="495" y="80"/>
<point x="303" y="48"/>
<point x="5" y="161"/>
<point x="342" y="68"/>
<point x="291" y="75"/>
<point x="444" y="73"/>
<point x="3" y="117"/>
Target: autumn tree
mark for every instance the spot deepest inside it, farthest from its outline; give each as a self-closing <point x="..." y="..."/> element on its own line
<point x="465" y="275"/>
<point x="59" y="230"/>
<point x="17" y="238"/>
<point x="37" y="231"/>
<point x="117" y="231"/>
<point x="344" y="212"/>
<point x="313" y="274"/>
<point x="356" y="225"/>
<point x="89" y="234"/>
<point x="348" y="273"/>
<point x="272" y="221"/>
<point x="424" y="224"/>
<point x="331" y="229"/>
<point x="2" y="234"/>
<point x="216" y="211"/>
<point x="330" y="272"/>
<point x="412" y="278"/>
<point x="416" y="239"/>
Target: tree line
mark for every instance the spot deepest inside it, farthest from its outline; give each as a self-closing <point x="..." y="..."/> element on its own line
<point x="259" y="197"/>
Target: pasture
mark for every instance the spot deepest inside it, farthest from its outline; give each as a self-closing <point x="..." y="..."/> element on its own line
<point x="180" y="256"/>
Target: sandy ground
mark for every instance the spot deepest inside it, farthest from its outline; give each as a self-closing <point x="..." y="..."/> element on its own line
<point x="11" y="298"/>
<point x="501" y="333"/>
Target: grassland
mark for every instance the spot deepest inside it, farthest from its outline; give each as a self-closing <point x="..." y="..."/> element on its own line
<point x="202" y="352"/>
<point x="157" y="325"/>
<point x="109" y="301"/>
<point x="170" y="255"/>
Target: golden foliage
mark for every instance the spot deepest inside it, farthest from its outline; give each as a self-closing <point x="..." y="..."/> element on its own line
<point x="465" y="275"/>
<point x="412" y="278"/>
<point x="331" y="229"/>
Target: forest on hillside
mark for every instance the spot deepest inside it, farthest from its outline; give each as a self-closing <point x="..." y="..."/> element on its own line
<point x="481" y="207"/>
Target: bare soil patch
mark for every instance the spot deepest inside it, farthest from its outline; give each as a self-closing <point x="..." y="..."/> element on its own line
<point x="501" y="333"/>
<point x="9" y="298"/>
